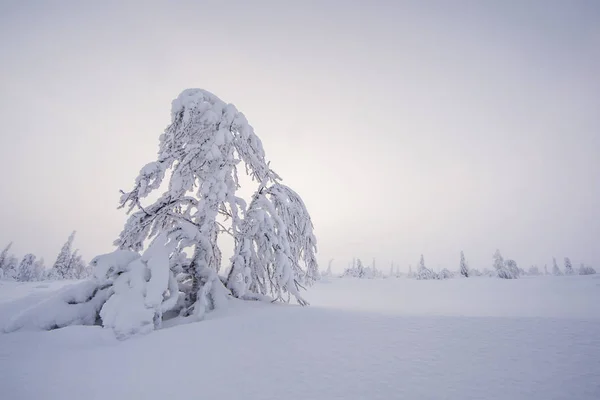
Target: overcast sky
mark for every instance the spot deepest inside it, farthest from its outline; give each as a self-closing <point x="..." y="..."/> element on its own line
<point x="408" y="127"/>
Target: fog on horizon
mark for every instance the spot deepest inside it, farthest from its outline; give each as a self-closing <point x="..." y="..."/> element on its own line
<point x="408" y="128"/>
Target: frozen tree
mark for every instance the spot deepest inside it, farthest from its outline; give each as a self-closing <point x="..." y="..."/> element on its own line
<point x="546" y="269"/>
<point x="568" y="267"/>
<point x="39" y="269"/>
<point x="586" y="270"/>
<point x="328" y="272"/>
<point x="201" y="149"/>
<point x="464" y="269"/>
<point x="502" y="271"/>
<point x="410" y="272"/>
<point x="392" y="271"/>
<point x="4" y="257"/>
<point x="513" y="269"/>
<point x="27" y="269"/>
<point x="78" y="269"/>
<point x="356" y="269"/>
<point x="60" y="269"/>
<point x="11" y="267"/>
<point x="423" y="272"/>
<point x="555" y="270"/>
<point x="445" y="273"/>
<point x="275" y="249"/>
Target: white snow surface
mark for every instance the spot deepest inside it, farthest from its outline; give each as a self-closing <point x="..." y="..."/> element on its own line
<point x="477" y="338"/>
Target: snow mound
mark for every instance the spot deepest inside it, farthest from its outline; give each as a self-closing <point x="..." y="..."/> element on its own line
<point x="73" y="305"/>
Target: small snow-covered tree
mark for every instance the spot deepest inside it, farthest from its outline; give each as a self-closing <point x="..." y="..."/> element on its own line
<point x="328" y="272"/>
<point x="39" y="269"/>
<point x="27" y="269"/>
<point x="60" y="269"/>
<point x="423" y="272"/>
<point x="502" y="271"/>
<point x="464" y="269"/>
<point x="445" y="273"/>
<point x="356" y="269"/>
<point x="78" y="269"/>
<point x="410" y="272"/>
<point x="4" y="256"/>
<point x="586" y="270"/>
<point x="546" y="269"/>
<point x="392" y="271"/>
<point x="555" y="270"/>
<point x="568" y="267"/>
<point x="11" y="267"/>
<point x="513" y="269"/>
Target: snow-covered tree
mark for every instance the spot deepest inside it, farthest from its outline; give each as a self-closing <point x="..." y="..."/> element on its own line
<point x="27" y="269"/>
<point x="546" y="269"/>
<point x="393" y="271"/>
<point x="78" y="269"/>
<point x="39" y="269"/>
<point x="502" y="271"/>
<point x="410" y="272"/>
<point x="356" y="269"/>
<point x="555" y="270"/>
<point x="11" y="267"/>
<point x="4" y="257"/>
<point x="423" y="272"/>
<point x="60" y="269"/>
<point x="568" y="267"/>
<point x="328" y="273"/>
<point x="586" y="270"/>
<point x="202" y="148"/>
<point x="513" y="269"/>
<point x="445" y="273"/>
<point x="464" y="269"/>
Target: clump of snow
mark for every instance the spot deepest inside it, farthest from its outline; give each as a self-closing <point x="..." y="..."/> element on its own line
<point x="74" y="305"/>
<point x="143" y="289"/>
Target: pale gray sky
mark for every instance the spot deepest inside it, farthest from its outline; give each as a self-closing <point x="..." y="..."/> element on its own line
<point x="408" y="127"/>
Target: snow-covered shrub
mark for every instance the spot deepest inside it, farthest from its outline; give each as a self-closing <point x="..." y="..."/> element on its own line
<point x="464" y="269"/>
<point x="26" y="270"/>
<point x="355" y="270"/>
<point x="143" y="290"/>
<point x="328" y="273"/>
<point x="474" y="272"/>
<point x="513" y="269"/>
<point x="445" y="274"/>
<point x="424" y="273"/>
<point x="503" y="270"/>
<point x="555" y="270"/>
<point x="586" y="270"/>
<point x="9" y="264"/>
<point x="129" y="294"/>
<point x="568" y="267"/>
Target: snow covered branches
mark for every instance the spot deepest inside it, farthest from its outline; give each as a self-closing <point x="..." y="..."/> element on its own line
<point x="275" y="248"/>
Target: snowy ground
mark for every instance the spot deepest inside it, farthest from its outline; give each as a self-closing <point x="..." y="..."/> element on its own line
<point x="482" y="338"/>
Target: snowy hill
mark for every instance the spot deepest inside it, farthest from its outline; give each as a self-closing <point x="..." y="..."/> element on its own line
<point x="533" y="338"/>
